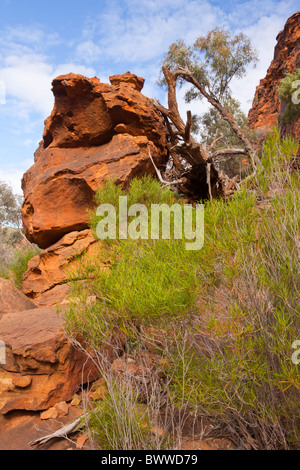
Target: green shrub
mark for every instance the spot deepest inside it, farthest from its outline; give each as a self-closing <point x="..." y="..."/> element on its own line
<point x="119" y="422"/>
<point x="243" y="373"/>
<point x="147" y="280"/>
<point x="19" y="263"/>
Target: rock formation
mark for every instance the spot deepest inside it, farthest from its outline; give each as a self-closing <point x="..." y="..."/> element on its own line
<point x="45" y="280"/>
<point x="96" y="131"/>
<point x="41" y="368"/>
<point x="12" y="300"/>
<point x="266" y="105"/>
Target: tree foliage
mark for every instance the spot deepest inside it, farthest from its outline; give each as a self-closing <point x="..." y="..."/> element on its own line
<point x="10" y="207"/>
<point x="211" y="122"/>
<point x="214" y="60"/>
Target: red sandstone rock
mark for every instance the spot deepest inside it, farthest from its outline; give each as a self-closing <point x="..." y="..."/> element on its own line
<point x="130" y="79"/>
<point x="38" y="349"/>
<point x="19" y="428"/>
<point x="11" y="299"/>
<point x="266" y="105"/>
<point x="45" y="280"/>
<point x="80" y="117"/>
<point x="96" y="131"/>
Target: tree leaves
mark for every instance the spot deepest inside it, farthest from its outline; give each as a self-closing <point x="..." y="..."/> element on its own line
<point x="10" y="207"/>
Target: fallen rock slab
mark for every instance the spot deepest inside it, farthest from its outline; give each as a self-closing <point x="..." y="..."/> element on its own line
<point x="41" y="368"/>
<point x="11" y="299"/>
<point x="19" y="428"/>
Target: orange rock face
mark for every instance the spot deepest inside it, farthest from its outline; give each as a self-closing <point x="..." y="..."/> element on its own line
<point x="96" y="131"/>
<point x="266" y="105"/>
<point x="42" y="368"/>
<point x="11" y="299"/>
<point x="45" y="280"/>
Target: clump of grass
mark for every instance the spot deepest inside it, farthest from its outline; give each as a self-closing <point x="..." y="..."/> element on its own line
<point x="19" y="263"/>
<point x="120" y="422"/>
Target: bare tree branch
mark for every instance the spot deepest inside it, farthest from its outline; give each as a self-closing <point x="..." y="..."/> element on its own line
<point x="188" y="76"/>
<point x="217" y="153"/>
<point x="61" y="433"/>
<point x="165" y="183"/>
<point x="215" y="140"/>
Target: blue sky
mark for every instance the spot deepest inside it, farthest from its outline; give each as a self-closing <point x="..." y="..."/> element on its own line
<point x="40" y="40"/>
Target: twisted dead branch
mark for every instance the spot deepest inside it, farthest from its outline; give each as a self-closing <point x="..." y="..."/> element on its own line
<point x="195" y="159"/>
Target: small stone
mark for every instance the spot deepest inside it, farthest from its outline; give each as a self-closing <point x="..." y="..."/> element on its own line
<point x="121" y="129"/>
<point x="158" y="432"/>
<point x="99" y="394"/>
<point x="62" y="408"/>
<point x="76" y="401"/>
<point x="98" y="383"/>
<point x="22" y="382"/>
<point x="81" y="441"/>
<point x="52" y="413"/>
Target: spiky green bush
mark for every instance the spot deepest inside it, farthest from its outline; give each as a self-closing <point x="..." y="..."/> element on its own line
<point x="19" y="263"/>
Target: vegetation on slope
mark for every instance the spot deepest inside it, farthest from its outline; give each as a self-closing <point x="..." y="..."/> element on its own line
<point x="220" y="321"/>
<point x="15" y="250"/>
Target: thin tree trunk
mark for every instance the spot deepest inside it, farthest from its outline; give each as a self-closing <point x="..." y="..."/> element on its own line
<point x="187" y="75"/>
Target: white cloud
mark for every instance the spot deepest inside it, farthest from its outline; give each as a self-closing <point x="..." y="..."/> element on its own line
<point x="27" y="71"/>
<point x="12" y="178"/>
<point x="142" y="31"/>
<point x="28" y="82"/>
<point x="88" y="51"/>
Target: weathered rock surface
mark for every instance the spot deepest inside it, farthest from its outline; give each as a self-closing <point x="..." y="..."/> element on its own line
<point x="266" y="105"/>
<point x="42" y="368"/>
<point x="18" y="429"/>
<point x="96" y="131"/>
<point x="11" y="299"/>
<point x="45" y="281"/>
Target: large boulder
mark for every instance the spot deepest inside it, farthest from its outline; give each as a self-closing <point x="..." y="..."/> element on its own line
<point x="267" y="105"/>
<point x="12" y="300"/>
<point x="42" y="367"/>
<point x="96" y="131"/>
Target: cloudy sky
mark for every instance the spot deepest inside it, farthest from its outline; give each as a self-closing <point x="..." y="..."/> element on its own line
<point x="40" y="40"/>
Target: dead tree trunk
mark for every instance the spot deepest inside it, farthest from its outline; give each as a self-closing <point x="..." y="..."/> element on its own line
<point x="195" y="162"/>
